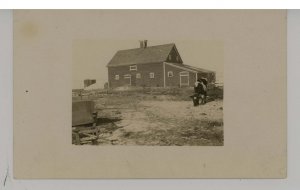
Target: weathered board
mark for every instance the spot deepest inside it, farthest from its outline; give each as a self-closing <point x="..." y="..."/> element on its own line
<point x="82" y="112"/>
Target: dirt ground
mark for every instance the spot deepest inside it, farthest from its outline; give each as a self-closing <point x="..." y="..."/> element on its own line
<point x="158" y="120"/>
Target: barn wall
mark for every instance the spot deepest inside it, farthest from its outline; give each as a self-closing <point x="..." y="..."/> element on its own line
<point x="193" y="79"/>
<point x="143" y="69"/>
<point x="145" y="80"/>
<point x="175" y="80"/>
<point x="121" y="71"/>
<point x="173" y="59"/>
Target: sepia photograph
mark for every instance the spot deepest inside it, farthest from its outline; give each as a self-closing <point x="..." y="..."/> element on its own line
<point x="147" y="92"/>
<point x="118" y="94"/>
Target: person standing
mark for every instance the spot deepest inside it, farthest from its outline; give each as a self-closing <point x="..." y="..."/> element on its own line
<point x="197" y="90"/>
<point x="203" y="89"/>
<point x="203" y="92"/>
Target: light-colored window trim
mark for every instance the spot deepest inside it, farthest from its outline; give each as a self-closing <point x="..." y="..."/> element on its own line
<point x="170" y="74"/>
<point x="184" y="73"/>
<point x="132" y="68"/>
<point x="138" y="75"/>
<point x="117" y="77"/>
<point x="127" y="76"/>
<point x="151" y="75"/>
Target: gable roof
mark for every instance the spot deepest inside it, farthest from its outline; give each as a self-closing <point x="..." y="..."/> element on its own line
<point x="151" y="54"/>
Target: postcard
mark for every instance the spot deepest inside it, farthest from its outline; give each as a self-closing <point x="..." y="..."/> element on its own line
<point x="111" y="94"/>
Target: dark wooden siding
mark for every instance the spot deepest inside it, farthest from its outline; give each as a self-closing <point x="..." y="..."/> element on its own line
<point x="172" y="57"/>
<point x="193" y="78"/>
<point x="143" y="69"/>
<point x="175" y="80"/>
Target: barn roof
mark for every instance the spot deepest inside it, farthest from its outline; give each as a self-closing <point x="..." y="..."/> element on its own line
<point x="199" y="69"/>
<point x="150" y="54"/>
<point x="188" y="67"/>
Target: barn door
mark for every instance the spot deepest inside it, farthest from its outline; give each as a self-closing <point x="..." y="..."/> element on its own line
<point x="133" y="81"/>
<point x="127" y="80"/>
<point x="184" y="78"/>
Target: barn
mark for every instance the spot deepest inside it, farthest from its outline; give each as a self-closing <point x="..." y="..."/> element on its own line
<point x="153" y="66"/>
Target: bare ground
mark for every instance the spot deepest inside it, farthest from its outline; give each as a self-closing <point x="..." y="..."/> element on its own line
<point x="158" y="120"/>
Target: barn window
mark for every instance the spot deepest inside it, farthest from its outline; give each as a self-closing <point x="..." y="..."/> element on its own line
<point x="184" y="73"/>
<point x="177" y="58"/>
<point x="170" y="73"/>
<point x="184" y="78"/>
<point x="151" y="75"/>
<point x="132" y="68"/>
<point x="127" y="76"/>
<point x="170" y="57"/>
<point x="117" y="77"/>
<point x="138" y="75"/>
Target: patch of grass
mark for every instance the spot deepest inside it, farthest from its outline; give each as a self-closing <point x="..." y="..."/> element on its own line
<point x="187" y="133"/>
<point x="175" y="130"/>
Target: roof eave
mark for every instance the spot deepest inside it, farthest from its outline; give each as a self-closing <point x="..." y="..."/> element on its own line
<point x="134" y="64"/>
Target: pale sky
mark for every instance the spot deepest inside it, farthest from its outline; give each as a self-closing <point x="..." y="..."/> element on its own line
<point x="90" y="56"/>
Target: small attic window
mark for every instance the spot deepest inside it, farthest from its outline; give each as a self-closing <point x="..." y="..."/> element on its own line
<point x="170" y="57"/>
<point x="132" y="68"/>
<point x="177" y="58"/>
